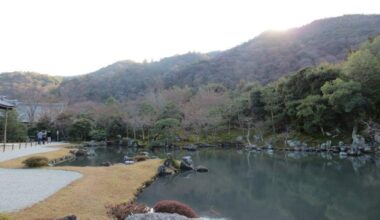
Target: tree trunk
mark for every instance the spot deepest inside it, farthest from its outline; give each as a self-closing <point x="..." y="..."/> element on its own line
<point x="273" y="127"/>
<point x="229" y="127"/>
<point x="134" y="133"/>
<point x="143" y="133"/>
<point x="354" y="130"/>
<point x="322" y="130"/>
<point x="248" y="134"/>
<point x="148" y="133"/>
<point x="5" y="126"/>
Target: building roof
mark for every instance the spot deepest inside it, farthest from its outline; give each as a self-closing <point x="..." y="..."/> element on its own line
<point x="6" y="105"/>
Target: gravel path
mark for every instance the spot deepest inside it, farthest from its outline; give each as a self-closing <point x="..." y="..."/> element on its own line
<point x="9" y="155"/>
<point x="21" y="188"/>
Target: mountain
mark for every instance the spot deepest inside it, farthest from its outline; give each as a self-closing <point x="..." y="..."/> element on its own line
<point x="276" y="53"/>
<point x="125" y="78"/>
<point x="20" y="85"/>
<point x="265" y="58"/>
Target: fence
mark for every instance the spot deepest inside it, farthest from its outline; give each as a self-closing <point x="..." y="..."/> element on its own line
<point x="15" y="146"/>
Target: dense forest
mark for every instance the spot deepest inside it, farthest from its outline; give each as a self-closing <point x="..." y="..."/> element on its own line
<point x="140" y="100"/>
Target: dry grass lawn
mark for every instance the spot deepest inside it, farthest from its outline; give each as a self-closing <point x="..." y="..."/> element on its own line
<point x="87" y="197"/>
<point x="52" y="155"/>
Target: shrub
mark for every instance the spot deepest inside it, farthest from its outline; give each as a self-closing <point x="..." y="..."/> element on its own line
<point x="139" y="158"/>
<point x="172" y="206"/>
<point x="98" y="135"/>
<point x="36" y="161"/>
<point x="123" y="210"/>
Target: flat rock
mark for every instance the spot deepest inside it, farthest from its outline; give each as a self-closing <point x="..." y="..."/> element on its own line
<point x="156" y="216"/>
<point x="201" y="169"/>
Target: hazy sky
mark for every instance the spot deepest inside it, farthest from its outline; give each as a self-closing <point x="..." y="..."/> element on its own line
<point x="69" y="37"/>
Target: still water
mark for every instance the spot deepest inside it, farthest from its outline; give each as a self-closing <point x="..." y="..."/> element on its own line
<point x="244" y="185"/>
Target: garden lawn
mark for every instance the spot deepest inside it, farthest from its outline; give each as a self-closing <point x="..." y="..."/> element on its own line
<point x="87" y="197"/>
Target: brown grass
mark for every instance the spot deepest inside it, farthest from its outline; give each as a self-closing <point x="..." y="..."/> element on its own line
<point x="18" y="162"/>
<point x="123" y="210"/>
<point x="88" y="197"/>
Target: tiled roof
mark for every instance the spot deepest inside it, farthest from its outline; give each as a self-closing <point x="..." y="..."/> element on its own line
<point x="6" y="105"/>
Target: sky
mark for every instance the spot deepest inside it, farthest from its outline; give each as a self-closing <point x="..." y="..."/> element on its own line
<point x="71" y="37"/>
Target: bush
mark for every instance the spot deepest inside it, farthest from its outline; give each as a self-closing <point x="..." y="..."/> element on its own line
<point x="122" y="211"/>
<point x="36" y="162"/>
<point x="172" y="206"/>
<point x="140" y="158"/>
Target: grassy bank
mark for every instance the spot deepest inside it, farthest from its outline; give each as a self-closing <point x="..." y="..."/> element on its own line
<point x="88" y="196"/>
<point x="52" y="155"/>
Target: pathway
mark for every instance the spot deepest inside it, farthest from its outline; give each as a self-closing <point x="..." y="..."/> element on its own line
<point x="21" y="188"/>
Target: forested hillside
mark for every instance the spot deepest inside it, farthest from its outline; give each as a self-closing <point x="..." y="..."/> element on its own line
<point x="124" y="79"/>
<point x="24" y="85"/>
<point x="262" y="59"/>
<point x="274" y="54"/>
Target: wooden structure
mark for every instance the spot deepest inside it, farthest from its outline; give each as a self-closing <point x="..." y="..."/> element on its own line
<point x="6" y="107"/>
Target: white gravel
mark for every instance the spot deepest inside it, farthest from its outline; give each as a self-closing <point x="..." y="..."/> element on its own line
<point x="21" y="188"/>
<point x="9" y="155"/>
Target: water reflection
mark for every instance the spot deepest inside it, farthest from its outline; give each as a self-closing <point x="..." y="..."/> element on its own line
<point x="265" y="185"/>
<point x="253" y="185"/>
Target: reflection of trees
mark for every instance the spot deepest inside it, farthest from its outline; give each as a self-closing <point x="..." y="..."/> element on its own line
<point x="261" y="187"/>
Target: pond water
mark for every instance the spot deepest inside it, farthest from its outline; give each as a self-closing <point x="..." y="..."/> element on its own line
<point x="244" y="185"/>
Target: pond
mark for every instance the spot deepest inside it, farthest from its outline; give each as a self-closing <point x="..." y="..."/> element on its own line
<point x="245" y="185"/>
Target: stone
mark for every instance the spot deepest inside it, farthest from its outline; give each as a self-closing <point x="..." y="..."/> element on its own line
<point x="377" y="137"/>
<point x="69" y="217"/>
<point x="367" y="149"/>
<point x="240" y="138"/>
<point x="187" y="159"/>
<point x="293" y="143"/>
<point x="128" y="162"/>
<point x="144" y="153"/>
<point x="106" y="164"/>
<point x="80" y="153"/>
<point x="201" y="169"/>
<point x="343" y="155"/>
<point x="185" y="167"/>
<point x="250" y="147"/>
<point x="190" y="147"/>
<point x="156" y="216"/>
<point x="164" y="171"/>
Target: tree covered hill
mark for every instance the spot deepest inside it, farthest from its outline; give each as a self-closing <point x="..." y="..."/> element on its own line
<point x="264" y="59"/>
<point x="274" y="54"/>
<point x="124" y="79"/>
<point x="21" y="85"/>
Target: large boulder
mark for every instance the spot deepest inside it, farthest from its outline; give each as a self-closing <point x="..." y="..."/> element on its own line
<point x="186" y="164"/>
<point x="201" y="169"/>
<point x="164" y="171"/>
<point x="156" y="216"/>
<point x="81" y="153"/>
